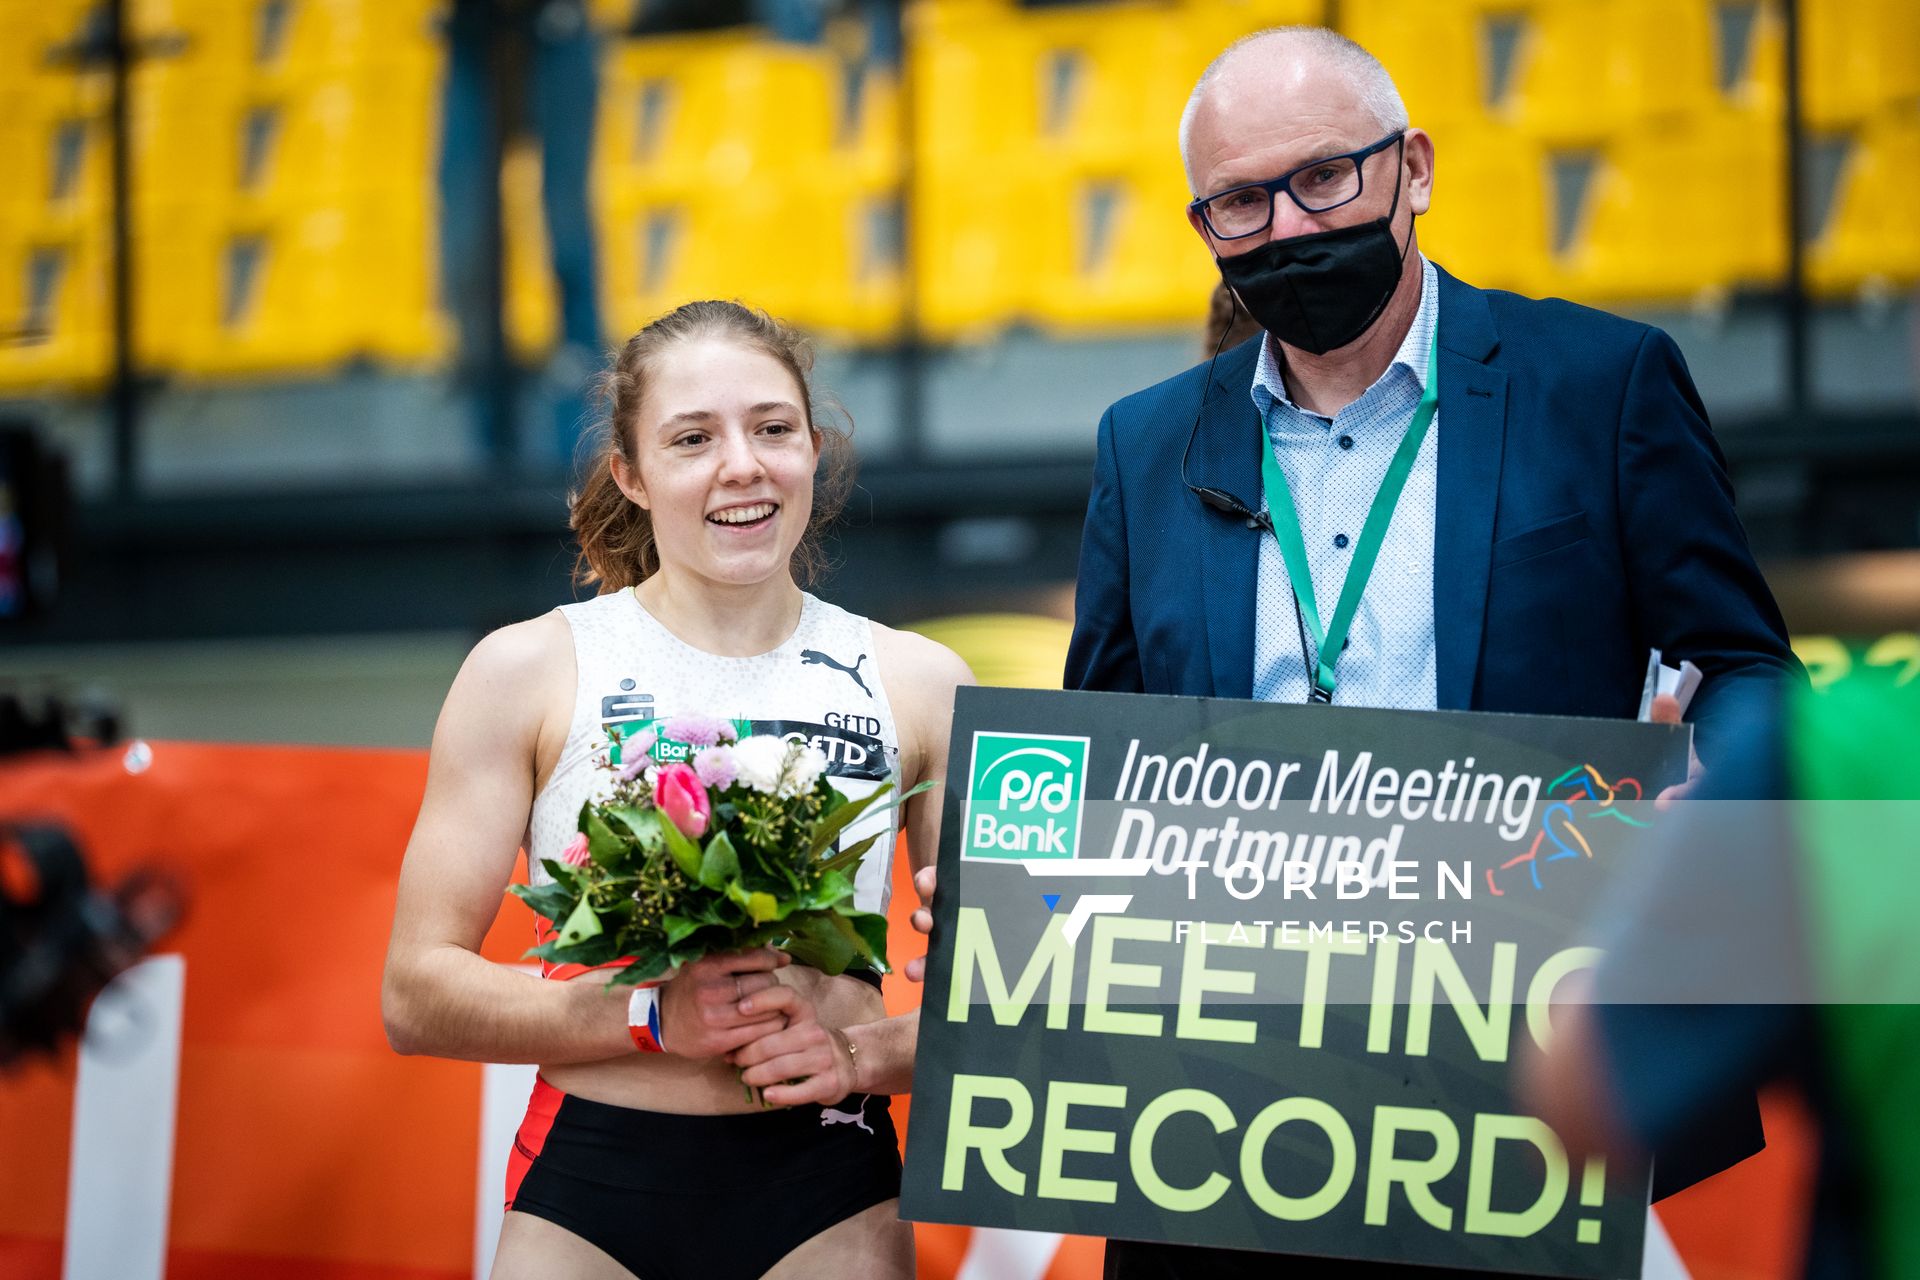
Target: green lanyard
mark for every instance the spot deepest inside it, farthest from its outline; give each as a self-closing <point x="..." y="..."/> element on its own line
<point x="1286" y="530"/>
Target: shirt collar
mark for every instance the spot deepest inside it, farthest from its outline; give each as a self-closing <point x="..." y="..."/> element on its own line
<point x="1269" y="388"/>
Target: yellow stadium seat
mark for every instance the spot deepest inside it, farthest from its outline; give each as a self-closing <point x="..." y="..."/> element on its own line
<point x="287" y="41"/>
<point x="1433" y="52"/>
<point x="722" y="109"/>
<point x="1619" y="150"/>
<point x="1048" y="187"/>
<point x="972" y="144"/>
<point x="1685" y="58"/>
<point x="34" y="36"/>
<point x="57" y="164"/>
<point x="1680" y="210"/>
<point x="1113" y="248"/>
<point x="730" y="166"/>
<point x="282" y="164"/>
<point x="1858" y="58"/>
<point x="1870" y="236"/>
<point x="228" y="293"/>
<point x="1489" y="219"/>
<point x="1583" y="70"/>
<point x="55" y="326"/>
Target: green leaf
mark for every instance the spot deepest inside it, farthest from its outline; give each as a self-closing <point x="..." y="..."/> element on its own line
<point x="593" y="951"/>
<point x="564" y="874"/>
<point x="548" y="901"/>
<point x="639" y="823"/>
<point x="686" y="854"/>
<point x="830" y="825"/>
<point x="760" y="907"/>
<point x="720" y="863"/>
<point x="872" y="928"/>
<point x="850" y="856"/>
<point x="832" y="888"/>
<point x="581" y="925"/>
<point x="819" y="943"/>
<point x="828" y="829"/>
<point x="679" y="928"/>
<point x="643" y="969"/>
<point x="854" y="938"/>
<point x="606" y="848"/>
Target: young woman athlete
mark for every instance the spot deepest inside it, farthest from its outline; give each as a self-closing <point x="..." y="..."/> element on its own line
<point x="651" y="1162"/>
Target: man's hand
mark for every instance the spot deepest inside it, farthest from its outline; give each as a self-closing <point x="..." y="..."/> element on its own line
<point x="714" y="1006"/>
<point x="922" y="920"/>
<point x="1666" y="710"/>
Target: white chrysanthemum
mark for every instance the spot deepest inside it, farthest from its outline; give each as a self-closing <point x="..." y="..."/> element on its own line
<point x="808" y="764"/>
<point x="758" y="760"/>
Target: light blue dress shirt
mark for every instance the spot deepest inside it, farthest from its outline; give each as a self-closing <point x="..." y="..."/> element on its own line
<point x="1334" y="467"/>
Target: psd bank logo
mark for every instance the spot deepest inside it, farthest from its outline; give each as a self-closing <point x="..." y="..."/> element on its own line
<point x="1025" y="797"/>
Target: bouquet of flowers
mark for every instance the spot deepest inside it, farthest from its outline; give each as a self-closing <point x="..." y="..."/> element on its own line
<point x="711" y="842"/>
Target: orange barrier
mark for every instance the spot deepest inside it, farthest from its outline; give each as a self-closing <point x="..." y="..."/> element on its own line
<point x="306" y="1149"/>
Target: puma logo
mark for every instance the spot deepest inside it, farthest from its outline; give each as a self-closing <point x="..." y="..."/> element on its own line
<point x="853" y="672"/>
<point x="829" y="1116"/>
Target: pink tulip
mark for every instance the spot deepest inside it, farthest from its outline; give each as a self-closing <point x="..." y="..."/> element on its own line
<point x="575" y="854"/>
<point x="678" y="793"/>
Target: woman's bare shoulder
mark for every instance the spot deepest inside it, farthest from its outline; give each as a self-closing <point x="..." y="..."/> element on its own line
<point x="920" y="677"/>
<point x="522" y="673"/>
<point x="922" y="665"/>
<point x="523" y="649"/>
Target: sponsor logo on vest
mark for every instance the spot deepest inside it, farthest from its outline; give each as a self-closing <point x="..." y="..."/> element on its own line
<point x="867" y="725"/>
<point x="1025" y="796"/>
<point x="812" y="657"/>
<point x="626" y="705"/>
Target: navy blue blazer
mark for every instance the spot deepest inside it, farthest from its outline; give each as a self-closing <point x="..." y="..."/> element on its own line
<point x="1584" y="517"/>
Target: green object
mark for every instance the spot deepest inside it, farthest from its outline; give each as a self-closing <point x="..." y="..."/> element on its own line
<point x="1327" y="644"/>
<point x="581" y="925"/>
<point x="1852" y="752"/>
<point x="1026" y="795"/>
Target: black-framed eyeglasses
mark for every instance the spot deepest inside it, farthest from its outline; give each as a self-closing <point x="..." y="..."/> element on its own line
<point x="1316" y="187"/>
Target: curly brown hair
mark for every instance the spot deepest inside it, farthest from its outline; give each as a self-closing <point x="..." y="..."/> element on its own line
<point x="617" y="548"/>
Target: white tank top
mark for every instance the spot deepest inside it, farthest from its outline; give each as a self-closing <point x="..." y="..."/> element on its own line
<point x="822" y="683"/>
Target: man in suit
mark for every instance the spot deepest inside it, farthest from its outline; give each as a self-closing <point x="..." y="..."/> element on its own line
<point x="1493" y="502"/>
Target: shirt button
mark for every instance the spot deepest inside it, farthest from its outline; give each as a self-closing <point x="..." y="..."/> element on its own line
<point x="1340" y="540"/>
<point x="1346" y="442"/>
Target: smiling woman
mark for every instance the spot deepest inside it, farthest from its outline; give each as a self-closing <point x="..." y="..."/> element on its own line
<point x="618" y="546"/>
<point x="698" y="517"/>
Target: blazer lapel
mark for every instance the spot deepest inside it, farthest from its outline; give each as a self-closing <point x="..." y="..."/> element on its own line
<point x="1473" y="416"/>
<point x="1226" y="455"/>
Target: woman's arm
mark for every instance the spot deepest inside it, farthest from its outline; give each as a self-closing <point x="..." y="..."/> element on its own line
<point x="438" y="996"/>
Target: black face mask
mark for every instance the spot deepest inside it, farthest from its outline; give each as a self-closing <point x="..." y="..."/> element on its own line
<point x="1320" y="291"/>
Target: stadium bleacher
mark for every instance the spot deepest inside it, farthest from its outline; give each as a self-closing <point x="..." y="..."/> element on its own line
<point x="1616" y="151"/>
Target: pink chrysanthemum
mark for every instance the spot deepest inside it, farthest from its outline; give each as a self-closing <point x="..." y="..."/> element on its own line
<point x="698" y="731"/>
<point x="575" y="854"/>
<point x="716" y="767"/>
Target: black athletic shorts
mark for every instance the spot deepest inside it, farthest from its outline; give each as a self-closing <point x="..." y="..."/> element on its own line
<point x="667" y="1195"/>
